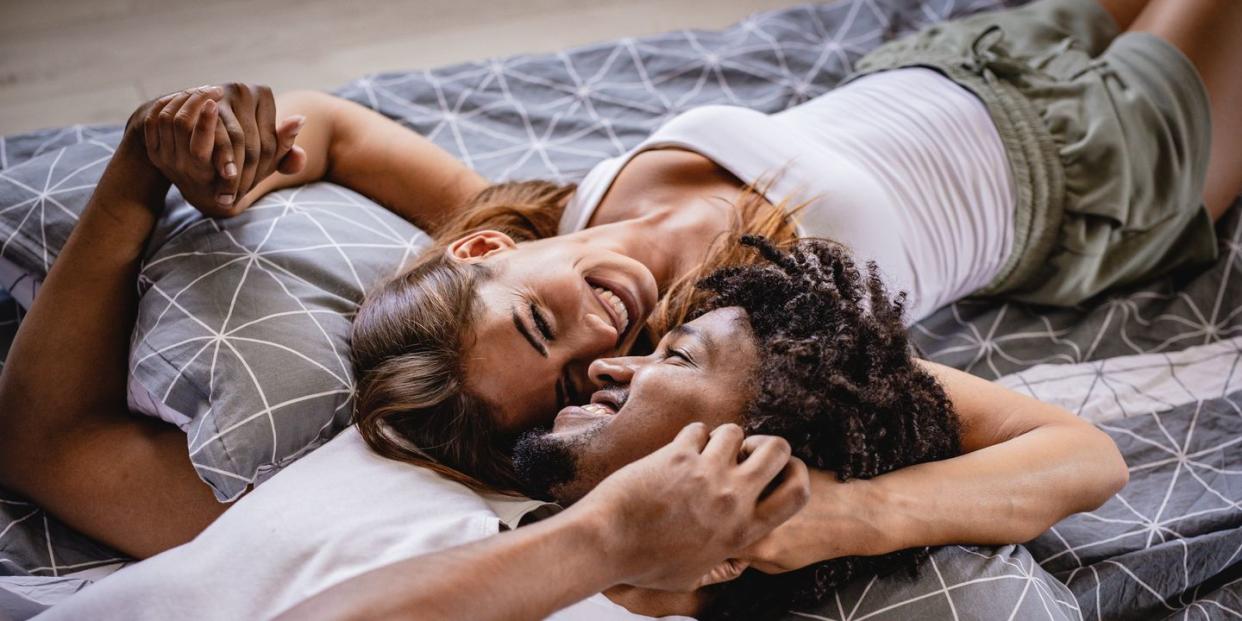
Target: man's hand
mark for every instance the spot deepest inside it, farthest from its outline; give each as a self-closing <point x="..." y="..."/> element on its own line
<point x="675" y="517"/>
<point x="216" y="143"/>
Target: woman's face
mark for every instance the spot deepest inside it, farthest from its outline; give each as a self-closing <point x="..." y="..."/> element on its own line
<point x="551" y="308"/>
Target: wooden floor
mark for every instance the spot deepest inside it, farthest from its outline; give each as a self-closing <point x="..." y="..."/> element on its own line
<point x="93" y="61"/>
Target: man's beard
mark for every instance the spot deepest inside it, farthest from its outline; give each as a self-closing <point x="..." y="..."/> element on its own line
<point x="549" y="466"/>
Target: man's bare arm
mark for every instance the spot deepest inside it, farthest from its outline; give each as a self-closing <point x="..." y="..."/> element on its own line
<point x="67" y="439"/>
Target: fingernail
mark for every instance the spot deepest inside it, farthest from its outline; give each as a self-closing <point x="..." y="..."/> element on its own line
<point x="225" y="199"/>
<point x="298" y="120"/>
<point x="210" y="106"/>
<point x="230" y="171"/>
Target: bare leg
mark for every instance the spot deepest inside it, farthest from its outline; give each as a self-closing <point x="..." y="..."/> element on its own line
<point x="1124" y="12"/>
<point x="1209" y="32"/>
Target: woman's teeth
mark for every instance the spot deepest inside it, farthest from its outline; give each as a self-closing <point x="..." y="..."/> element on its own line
<point x="611" y="298"/>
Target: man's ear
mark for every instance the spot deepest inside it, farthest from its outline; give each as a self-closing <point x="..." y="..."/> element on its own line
<point x="479" y="245"/>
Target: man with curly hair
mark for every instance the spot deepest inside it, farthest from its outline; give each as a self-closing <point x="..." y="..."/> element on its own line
<point x="806" y="347"/>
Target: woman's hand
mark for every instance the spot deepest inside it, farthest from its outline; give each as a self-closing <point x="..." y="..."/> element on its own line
<point x="674" y="517"/>
<point x="216" y="143"/>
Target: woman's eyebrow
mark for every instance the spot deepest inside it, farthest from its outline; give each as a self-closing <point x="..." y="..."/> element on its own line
<point x="526" y="333"/>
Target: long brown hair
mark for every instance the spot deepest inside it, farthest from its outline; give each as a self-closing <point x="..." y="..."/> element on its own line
<point x="410" y="333"/>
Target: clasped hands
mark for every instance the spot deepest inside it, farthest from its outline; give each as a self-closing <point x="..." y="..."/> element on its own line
<point x="216" y="143"/>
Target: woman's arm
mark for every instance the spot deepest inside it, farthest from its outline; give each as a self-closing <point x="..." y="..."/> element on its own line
<point x="67" y="439"/>
<point x="350" y="145"/>
<point x="1026" y="466"/>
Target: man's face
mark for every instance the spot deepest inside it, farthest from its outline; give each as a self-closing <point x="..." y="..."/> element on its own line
<point x="700" y="371"/>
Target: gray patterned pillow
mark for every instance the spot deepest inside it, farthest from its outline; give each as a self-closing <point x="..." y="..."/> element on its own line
<point x="242" y="329"/>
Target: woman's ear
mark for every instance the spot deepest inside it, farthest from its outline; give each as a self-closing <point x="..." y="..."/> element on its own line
<point x="479" y="245"/>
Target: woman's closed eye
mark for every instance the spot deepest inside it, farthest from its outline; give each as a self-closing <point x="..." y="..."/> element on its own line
<point x="564" y="389"/>
<point x="541" y="323"/>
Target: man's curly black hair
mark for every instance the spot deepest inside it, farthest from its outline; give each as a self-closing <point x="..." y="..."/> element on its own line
<point x="836" y="378"/>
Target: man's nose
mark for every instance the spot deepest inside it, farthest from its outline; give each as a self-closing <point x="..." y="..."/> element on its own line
<point x="605" y="371"/>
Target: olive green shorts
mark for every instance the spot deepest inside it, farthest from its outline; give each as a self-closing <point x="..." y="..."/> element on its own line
<point x="1107" y="137"/>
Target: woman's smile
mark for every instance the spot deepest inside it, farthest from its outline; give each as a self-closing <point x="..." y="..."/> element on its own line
<point x="619" y="303"/>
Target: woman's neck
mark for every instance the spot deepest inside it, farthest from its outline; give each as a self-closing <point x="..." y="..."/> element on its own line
<point x="665" y="209"/>
<point x="670" y="241"/>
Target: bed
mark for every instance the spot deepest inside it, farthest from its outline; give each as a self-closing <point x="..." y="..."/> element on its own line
<point x="1159" y="367"/>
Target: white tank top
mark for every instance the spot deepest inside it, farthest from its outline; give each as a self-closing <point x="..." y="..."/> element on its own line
<point x="904" y="167"/>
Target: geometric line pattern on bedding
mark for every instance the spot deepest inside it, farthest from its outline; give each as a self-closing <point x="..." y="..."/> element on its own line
<point x="242" y="332"/>
<point x="554" y="115"/>
<point x="1104" y="390"/>
<point x="1176" y="526"/>
<point x="1003" y="582"/>
<point x="1223" y="602"/>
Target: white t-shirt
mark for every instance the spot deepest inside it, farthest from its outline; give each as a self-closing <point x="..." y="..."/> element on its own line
<point x="336" y="513"/>
<point x="904" y="167"/>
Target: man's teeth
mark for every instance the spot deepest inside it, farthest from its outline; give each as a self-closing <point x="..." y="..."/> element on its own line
<point x="595" y="408"/>
<point x="617" y="305"/>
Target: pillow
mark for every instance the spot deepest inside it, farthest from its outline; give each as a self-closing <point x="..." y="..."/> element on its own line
<point x="242" y="331"/>
<point x="241" y="337"/>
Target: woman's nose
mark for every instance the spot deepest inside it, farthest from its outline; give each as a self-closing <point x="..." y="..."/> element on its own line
<point x="596" y="336"/>
<point x="605" y="371"/>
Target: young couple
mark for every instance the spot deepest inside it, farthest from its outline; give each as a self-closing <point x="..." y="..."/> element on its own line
<point x="1044" y="153"/>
